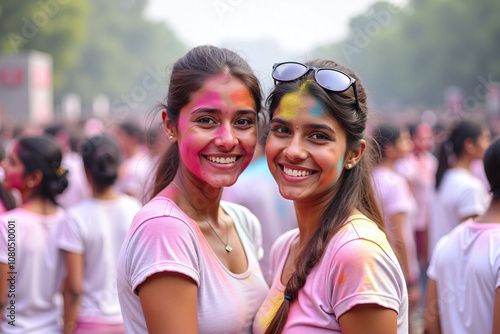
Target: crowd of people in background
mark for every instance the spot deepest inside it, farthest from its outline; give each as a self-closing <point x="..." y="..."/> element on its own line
<point x="397" y="221"/>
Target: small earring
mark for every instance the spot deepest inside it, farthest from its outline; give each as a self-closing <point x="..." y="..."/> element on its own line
<point x="171" y="138"/>
<point x="349" y="166"/>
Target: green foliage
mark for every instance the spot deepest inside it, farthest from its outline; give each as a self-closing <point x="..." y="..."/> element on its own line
<point x="51" y="26"/>
<point x="122" y="52"/>
<point x="99" y="47"/>
<point x="414" y="54"/>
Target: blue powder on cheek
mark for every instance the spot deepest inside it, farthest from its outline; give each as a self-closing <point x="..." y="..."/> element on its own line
<point x="339" y="169"/>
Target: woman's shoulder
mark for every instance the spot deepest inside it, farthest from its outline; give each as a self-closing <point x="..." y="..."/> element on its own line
<point x="360" y="227"/>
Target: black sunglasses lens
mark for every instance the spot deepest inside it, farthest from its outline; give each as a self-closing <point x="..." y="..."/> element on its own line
<point x="333" y="80"/>
<point x="289" y="71"/>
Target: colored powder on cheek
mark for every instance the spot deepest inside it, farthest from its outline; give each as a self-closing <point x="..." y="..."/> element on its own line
<point x="291" y="104"/>
<point x="241" y="97"/>
<point x="339" y="170"/>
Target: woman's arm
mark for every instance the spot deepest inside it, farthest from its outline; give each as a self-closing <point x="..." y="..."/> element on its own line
<point x="369" y="318"/>
<point x="431" y="314"/>
<point x="72" y="290"/>
<point x="169" y="304"/>
<point x="496" y="313"/>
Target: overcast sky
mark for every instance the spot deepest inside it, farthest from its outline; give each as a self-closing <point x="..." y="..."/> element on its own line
<point x="295" y="25"/>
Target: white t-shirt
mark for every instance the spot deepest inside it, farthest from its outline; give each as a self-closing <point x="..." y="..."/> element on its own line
<point x="459" y="196"/>
<point x="78" y="188"/>
<point x="162" y="238"/>
<point x="357" y="267"/>
<point x="420" y="172"/>
<point x="466" y="267"/>
<point x="96" y="229"/>
<point x="394" y="196"/>
<point x="28" y="243"/>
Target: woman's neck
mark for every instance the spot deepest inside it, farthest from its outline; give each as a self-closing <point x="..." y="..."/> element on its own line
<point x="492" y="215"/>
<point x="309" y="216"/>
<point x="463" y="161"/>
<point x="203" y="199"/>
<point x="106" y="194"/>
<point x="39" y="205"/>
<point x="387" y="163"/>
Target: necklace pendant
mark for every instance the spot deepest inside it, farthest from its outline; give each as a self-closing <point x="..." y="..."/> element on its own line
<point x="229" y="248"/>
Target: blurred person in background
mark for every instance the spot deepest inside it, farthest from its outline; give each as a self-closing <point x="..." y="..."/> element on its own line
<point x="7" y="199"/>
<point x="257" y="190"/>
<point x="91" y="239"/>
<point x="419" y="169"/>
<point x="399" y="207"/>
<point x="34" y="167"/>
<point x="136" y="165"/>
<point x="459" y="195"/>
<point x="78" y="188"/>
<point x="463" y="293"/>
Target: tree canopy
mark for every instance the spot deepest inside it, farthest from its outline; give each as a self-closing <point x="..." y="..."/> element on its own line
<point x="99" y="47"/>
<point x="411" y="55"/>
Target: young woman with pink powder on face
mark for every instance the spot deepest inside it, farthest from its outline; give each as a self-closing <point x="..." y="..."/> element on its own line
<point x="190" y="261"/>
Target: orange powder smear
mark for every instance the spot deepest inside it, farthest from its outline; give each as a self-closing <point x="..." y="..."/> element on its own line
<point x="242" y="98"/>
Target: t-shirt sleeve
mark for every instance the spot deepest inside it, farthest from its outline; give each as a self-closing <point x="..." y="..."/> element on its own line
<point x="432" y="269"/>
<point x="396" y="198"/>
<point x="471" y="202"/>
<point x="72" y="239"/>
<point x="162" y="244"/>
<point x="363" y="273"/>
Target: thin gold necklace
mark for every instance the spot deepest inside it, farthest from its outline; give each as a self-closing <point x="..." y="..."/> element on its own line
<point x="226" y="245"/>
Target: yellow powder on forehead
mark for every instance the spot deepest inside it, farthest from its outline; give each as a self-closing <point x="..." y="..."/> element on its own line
<point x="291" y="105"/>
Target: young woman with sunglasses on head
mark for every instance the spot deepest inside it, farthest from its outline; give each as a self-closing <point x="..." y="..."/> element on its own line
<point x="463" y="291"/>
<point x="31" y="266"/>
<point x="337" y="272"/>
<point x="189" y="263"/>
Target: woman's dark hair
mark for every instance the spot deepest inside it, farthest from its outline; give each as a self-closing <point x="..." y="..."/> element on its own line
<point x="189" y="73"/>
<point x="43" y="153"/>
<point x="101" y="157"/>
<point x="491" y="162"/>
<point x="383" y="135"/>
<point x="355" y="190"/>
<point x="453" y="146"/>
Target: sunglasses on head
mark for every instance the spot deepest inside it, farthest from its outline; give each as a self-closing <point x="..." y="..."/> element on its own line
<point x="328" y="78"/>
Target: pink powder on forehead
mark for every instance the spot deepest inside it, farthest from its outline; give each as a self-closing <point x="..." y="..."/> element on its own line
<point x="241" y="97"/>
<point x="210" y="98"/>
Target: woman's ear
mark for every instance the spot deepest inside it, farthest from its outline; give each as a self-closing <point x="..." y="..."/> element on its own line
<point x="355" y="155"/>
<point x="34" y="179"/>
<point x="169" y="127"/>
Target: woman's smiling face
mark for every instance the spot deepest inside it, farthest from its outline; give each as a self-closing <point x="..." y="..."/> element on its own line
<point x="217" y="131"/>
<point x="305" y="148"/>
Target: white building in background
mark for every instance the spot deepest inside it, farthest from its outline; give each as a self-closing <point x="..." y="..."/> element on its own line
<point x="26" y="87"/>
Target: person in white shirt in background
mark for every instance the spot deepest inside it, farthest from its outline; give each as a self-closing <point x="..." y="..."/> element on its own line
<point x="459" y="194"/>
<point x="91" y="240"/>
<point x="463" y="292"/>
<point x="31" y="266"/>
<point x="419" y="169"/>
<point x="78" y="188"/>
<point x="399" y="208"/>
<point x="136" y="164"/>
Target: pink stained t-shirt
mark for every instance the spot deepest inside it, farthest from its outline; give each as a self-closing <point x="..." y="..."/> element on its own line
<point x="357" y="267"/>
<point x="163" y="239"/>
